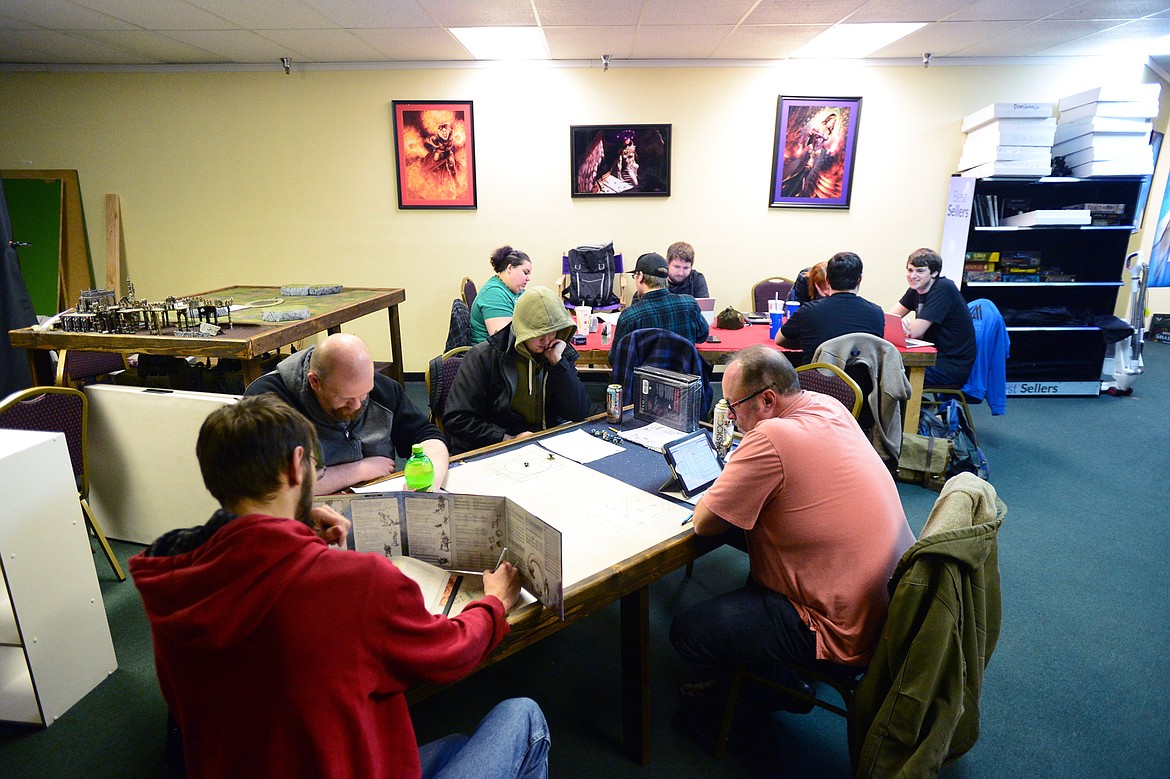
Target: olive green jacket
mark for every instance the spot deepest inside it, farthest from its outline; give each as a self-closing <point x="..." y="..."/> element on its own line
<point x="917" y="707"/>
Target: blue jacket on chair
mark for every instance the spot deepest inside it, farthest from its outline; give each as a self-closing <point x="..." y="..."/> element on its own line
<point x="988" y="377"/>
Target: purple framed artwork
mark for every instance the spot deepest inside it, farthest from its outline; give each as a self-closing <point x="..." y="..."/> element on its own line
<point x="812" y="162"/>
<point x="619" y="160"/>
<point x="434" y="146"/>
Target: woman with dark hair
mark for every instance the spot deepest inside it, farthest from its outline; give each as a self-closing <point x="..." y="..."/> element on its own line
<point x="495" y="301"/>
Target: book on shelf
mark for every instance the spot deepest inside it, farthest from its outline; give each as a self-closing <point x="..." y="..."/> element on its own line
<point x="983" y="276"/>
<point x="1102" y="125"/>
<point x="1097" y="209"/>
<point x="1109" y="146"/>
<point x="996" y="134"/>
<point x="981" y="257"/>
<point x="1020" y="259"/>
<point x="1073" y="159"/>
<point x="1049" y="217"/>
<point x="1021" y="278"/>
<point x="1010" y="168"/>
<point x="974" y="156"/>
<point x="1114" y="168"/>
<point x="1142" y="110"/>
<point x="1113" y="93"/>
<point x="1006" y="110"/>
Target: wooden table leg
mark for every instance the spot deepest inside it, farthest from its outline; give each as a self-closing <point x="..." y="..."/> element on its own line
<point x="914" y="404"/>
<point x="41" y="367"/>
<point x="396" y="372"/>
<point x="251" y="370"/>
<point x="635" y="621"/>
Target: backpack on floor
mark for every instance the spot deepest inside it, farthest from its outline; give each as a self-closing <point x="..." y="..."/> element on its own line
<point x="591" y="276"/>
<point x="949" y="421"/>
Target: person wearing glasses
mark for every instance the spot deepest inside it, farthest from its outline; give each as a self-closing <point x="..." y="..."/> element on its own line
<point x="281" y="656"/>
<point x="363" y="418"/>
<point x="824" y="529"/>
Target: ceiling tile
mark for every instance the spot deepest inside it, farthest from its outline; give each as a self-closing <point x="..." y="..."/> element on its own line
<point x="1129" y="38"/>
<point x="943" y="39"/>
<point x="587" y="13"/>
<point x="287" y="15"/>
<point x="372" y="14"/>
<point x="585" y="43"/>
<point x="235" y="45"/>
<point x="678" y="42"/>
<point x="158" y="14"/>
<point x="767" y="41"/>
<point x="10" y="23"/>
<point x="415" y="44"/>
<point x="697" y="13"/>
<point x="1112" y="9"/>
<point x="814" y="12"/>
<point x="906" y="11"/>
<point x="324" y="45"/>
<point x="498" y="13"/>
<point x="152" y="46"/>
<point x="60" y="15"/>
<point x="63" y="47"/>
<point x="1009" y="10"/>
<point x="1031" y="38"/>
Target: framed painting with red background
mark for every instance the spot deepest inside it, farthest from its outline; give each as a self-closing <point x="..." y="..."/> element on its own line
<point x="434" y="146"/>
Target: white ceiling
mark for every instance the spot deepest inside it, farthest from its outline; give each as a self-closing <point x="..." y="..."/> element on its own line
<point x="319" y="33"/>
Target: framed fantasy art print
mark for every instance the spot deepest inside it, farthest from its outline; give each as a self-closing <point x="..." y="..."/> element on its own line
<point x="619" y="160"/>
<point x="812" y="162"/>
<point x="434" y="146"/>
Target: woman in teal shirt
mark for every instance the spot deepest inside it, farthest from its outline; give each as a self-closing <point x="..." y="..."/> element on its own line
<point x="496" y="300"/>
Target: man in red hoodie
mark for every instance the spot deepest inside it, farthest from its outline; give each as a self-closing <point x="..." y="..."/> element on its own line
<point x="282" y="656"/>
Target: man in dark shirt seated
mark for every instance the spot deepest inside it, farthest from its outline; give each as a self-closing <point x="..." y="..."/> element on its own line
<point x="681" y="275"/>
<point x="940" y="316"/>
<point x="841" y="313"/>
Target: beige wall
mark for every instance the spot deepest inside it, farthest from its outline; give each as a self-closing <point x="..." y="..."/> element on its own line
<point x="270" y="178"/>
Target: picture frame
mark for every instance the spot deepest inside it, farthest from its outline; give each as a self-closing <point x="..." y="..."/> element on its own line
<point x="434" y="151"/>
<point x="813" y="152"/>
<point x="619" y="160"/>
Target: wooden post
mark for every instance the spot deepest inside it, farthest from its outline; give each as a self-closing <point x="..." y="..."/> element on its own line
<point x="114" y="274"/>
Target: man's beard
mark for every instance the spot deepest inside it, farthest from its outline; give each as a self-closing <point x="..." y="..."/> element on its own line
<point x="344" y="414"/>
<point x="304" y="510"/>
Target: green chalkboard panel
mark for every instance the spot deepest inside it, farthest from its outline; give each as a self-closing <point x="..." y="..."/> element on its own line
<point x="34" y="206"/>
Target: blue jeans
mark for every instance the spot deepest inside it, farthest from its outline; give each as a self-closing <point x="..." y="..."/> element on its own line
<point x="933" y="377"/>
<point x="511" y="741"/>
<point x="752" y="625"/>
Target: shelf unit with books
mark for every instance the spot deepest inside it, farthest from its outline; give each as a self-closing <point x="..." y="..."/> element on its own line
<point x="1051" y="281"/>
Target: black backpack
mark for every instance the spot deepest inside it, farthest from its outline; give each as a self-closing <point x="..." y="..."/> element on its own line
<point x="591" y="276"/>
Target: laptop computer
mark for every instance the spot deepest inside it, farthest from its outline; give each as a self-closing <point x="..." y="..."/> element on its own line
<point x="693" y="462"/>
<point x="707" y="309"/>
<point x="897" y="336"/>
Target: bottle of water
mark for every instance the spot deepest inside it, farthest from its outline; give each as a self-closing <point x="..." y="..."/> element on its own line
<point x="420" y="472"/>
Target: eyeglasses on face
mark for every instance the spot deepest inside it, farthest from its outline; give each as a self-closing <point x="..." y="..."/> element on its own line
<point x="731" y="406"/>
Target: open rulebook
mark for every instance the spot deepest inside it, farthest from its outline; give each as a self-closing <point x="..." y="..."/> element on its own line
<point x="456" y="533"/>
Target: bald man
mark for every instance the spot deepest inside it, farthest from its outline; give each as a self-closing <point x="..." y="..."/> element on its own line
<point x="363" y="418"/>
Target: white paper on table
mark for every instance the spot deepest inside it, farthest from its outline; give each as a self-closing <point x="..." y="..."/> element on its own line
<point x="612" y="318"/>
<point x="914" y="342"/>
<point x="580" y="446"/>
<point x="653" y="436"/>
<point x="397" y="484"/>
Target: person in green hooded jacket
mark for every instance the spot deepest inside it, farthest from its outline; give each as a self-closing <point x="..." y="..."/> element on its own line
<point x="521" y="380"/>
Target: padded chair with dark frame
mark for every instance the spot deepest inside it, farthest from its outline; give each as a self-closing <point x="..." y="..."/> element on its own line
<point x="831" y="380"/>
<point x="771" y="288"/>
<point x="76" y="368"/>
<point x="467" y="291"/>
<point x="440" y="375"/>
<point x="60" y="410"/>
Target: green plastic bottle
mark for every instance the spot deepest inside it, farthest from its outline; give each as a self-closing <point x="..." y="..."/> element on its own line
<point x="420" y="472"/>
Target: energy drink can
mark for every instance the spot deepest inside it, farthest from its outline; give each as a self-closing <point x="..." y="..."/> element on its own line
<point x="722" y="428"/>
<point x="613" y="403"/>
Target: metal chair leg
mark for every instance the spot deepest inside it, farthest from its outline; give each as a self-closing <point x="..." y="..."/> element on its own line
<point x="97" y="531"/>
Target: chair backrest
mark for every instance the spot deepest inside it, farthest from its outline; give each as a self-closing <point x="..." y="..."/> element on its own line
<point x="459" y="327"/>
<point x="53" y="410"/>
<point x="467" y="291"/>
<point x="772" y="288"/>
<point x="831" y="380"/>
<point x="440" y="375"/>
<point x="614" y="272"/>
<point x="661" y="349"/>
<point x="76" y="367"/>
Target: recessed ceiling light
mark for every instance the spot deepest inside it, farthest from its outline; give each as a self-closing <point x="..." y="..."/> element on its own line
<point x="503" y="43"/>
<point x="851" y="41"/>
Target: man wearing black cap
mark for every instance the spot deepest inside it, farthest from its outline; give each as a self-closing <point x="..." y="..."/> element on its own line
<point x="657" y="307"/>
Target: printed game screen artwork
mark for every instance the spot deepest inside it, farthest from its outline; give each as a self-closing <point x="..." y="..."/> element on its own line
<point x="812" y="162"/>
<point x="620" y="160"/>
<point x="434" y="144"/>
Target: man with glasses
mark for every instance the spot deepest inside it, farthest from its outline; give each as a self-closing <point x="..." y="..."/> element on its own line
<point x="279" y="656"/>
<point x="363" y="418"/>
<point x="824" y="529"/>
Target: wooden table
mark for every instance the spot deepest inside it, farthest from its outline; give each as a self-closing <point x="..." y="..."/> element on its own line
<point x="247" y="340"/>
<point x="627" y="581"/>
<point x="916" y="360"/>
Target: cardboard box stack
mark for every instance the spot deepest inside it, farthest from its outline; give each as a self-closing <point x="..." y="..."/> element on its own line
<point x="1009" y="139"/>
<point x="1106" y="131"/>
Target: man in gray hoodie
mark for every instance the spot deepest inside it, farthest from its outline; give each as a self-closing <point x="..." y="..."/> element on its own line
<point x="363" y="418"/>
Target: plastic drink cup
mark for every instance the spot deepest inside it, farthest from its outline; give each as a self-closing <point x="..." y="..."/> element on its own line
<point x="790" y="309"/>
<point x="584" y="314"/>
<point x="777" y="319"/>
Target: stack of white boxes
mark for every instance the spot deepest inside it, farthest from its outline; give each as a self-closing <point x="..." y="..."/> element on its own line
<point x="1106" y="131"/>
<point x="1009" y="139"/>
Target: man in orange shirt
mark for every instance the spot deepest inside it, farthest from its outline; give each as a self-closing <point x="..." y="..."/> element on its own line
<point x="824" y="528"/>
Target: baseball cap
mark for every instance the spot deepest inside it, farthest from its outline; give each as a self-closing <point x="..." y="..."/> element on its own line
<point x="651" y="264"/>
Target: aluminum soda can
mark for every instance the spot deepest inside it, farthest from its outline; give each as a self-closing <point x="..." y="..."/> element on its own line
<point x="606" y="332"/>
<point x="721" y="428"/>
<point x="613" y="403"/>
